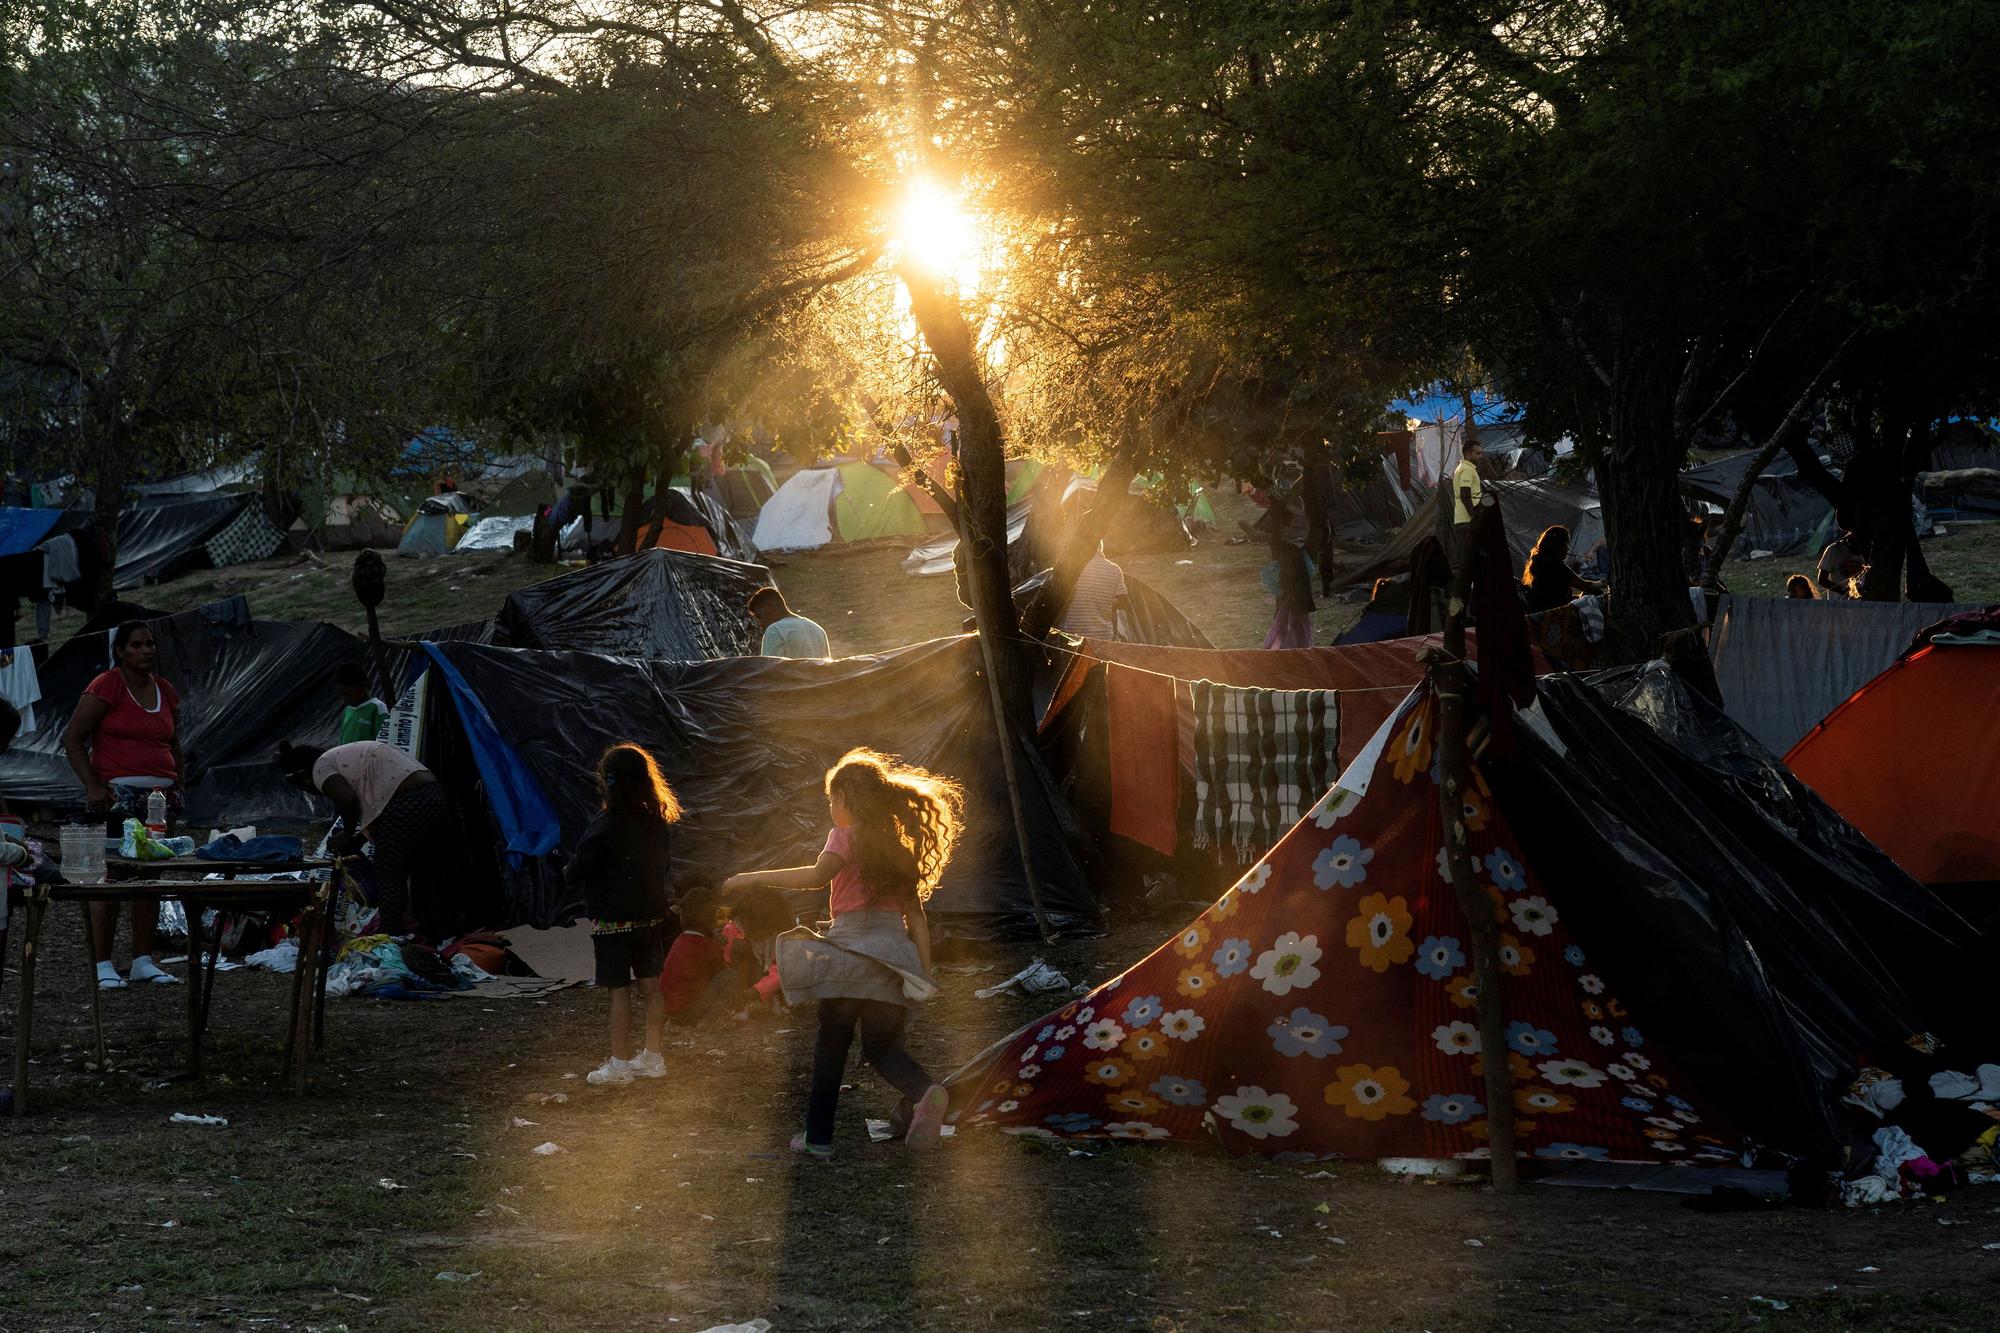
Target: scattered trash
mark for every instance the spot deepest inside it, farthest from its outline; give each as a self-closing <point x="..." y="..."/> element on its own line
<point x="1336" y="1240"/>
<point x="169" y="1224"/>
<point x="1184" y="562"/>
<point x="1994" y="1246"/>
<point x="388" y="1184"/>
<point x="524" y="1124"/>
<point x="127" y="1290"/>
<point x="879" y="1131"/>
<point x="448" y="1276"/>
<point x="1775" y="1305"/>
<point x="1871" y="1268"/>
<point x="548" y="1150"/>
<point x="1473" y="1242"/>
<point x="752" y="1326"/>
<point x="1037" y="978"/>
<point x="76" y="1138"/>
<point x="1320" y="1175"/>
<point x="1322" y="1209"/>
<point x="181" y="1118"/>
<point x="1078" y="1152"/>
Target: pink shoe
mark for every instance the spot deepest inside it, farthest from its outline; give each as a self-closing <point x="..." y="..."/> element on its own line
<point x="927" y="1118"/>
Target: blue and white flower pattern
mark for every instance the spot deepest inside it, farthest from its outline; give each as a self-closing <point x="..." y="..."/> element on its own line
<point x="1451" y="1108"/>
<point x="1529" y="1040"/>
<point x="1439" y="956"/>
<point x="1178" y="1091"/>
<point x="1143" y="1010"/>
<point x="1304" y="1032"/>
<point x="1344" y="864"/>
<point x="1234" y="956"/>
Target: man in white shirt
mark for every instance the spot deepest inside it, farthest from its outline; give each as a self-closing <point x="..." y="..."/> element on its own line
<point x="786" y="633"/>
<point x="1094" y="603"/>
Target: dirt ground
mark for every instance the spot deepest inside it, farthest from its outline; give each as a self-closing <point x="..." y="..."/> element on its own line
<point x="673" y="1205"/>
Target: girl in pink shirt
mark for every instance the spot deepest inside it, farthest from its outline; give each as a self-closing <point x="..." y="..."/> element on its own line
<point x="894" y="827"/>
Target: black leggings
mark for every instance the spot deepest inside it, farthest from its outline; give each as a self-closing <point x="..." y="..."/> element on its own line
<point x="407" y="836"/>
<point x="881" y="1027"/>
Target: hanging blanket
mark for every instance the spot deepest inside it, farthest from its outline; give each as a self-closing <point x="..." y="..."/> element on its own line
<point x="1262" y="757"/>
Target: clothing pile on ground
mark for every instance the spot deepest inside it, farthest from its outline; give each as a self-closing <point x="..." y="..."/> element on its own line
<point x="1926" y="1122"/>
<point x="390" y="969"/>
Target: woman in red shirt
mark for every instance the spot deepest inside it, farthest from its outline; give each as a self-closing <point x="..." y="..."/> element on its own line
<point x="124" y="744"/>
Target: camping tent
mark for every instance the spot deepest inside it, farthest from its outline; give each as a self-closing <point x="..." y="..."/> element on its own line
<point x="746" y="742"/>
<point x="439" y="522"/>
<point x="682" y="520"/>
<point x="353" y="520"/>
<point x="494" y="532"/>
<point x="852" y="501"/>
<point x="656" y="603"/>
<point x="1784" y="663"/>
<point x="1325" y="1005"/>
<point x="1912" y="759"/>
<point x="159" y="541"/>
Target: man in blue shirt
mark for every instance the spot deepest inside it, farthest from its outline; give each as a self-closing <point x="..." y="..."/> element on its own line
<point x="786" y="634"/>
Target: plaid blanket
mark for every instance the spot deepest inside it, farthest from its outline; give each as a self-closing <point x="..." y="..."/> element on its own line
<point x="1261" y="758"/>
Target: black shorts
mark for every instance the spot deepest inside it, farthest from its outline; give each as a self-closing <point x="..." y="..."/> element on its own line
<point x="625" y="956"/>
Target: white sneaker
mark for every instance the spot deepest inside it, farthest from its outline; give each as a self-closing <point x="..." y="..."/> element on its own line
<point x="649" y="1064"/>
<point x="612" y="1073"/>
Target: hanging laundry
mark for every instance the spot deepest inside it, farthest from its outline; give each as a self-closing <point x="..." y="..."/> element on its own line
<point x="22" y="687"/>
<point x="1262" y="757"/>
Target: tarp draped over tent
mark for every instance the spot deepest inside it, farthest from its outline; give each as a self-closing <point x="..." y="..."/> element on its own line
<point x="1784" y="511"/>
<point x="527" y="822"/>
<point x="244" y="686"/>
<point x="747" y="742"/>
<point x="799" y="516"/>
<point x="1324" y="1007"/>
<point x="494" y="533"/>
<point x="1527" y="507"/>
<point x="249" y="536"/>
<point x="669" y="604"/>
<point x="1767" y="943"/>
<point x="160" y="540"/>
<point x="1784" y="663"/>
<point x="439" y="523"/>
<point x="1912" y="759"/>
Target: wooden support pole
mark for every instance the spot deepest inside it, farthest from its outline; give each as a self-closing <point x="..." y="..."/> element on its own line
<point x="1451" y="684"/>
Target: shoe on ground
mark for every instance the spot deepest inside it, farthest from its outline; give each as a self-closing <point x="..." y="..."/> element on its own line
<point x="612" y="1073"/>
<point x="145" y="969"/>
<point x="812" y="1152"/>
<point x="927" y="1118"/>
<point x="648" y="1064"/>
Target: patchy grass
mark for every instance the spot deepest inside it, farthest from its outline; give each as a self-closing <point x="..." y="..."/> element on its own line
<point x="673" y="1205"/>
<point x="1967" y="558"/>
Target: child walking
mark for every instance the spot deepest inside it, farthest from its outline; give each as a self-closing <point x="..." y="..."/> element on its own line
<point x="623" y="864"/>
<point x="893" y="831"/>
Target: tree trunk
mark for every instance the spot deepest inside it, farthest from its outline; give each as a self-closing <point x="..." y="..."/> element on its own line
<point x="982" y="470"/>
<point x="1649" y="613"/>
<point x="112" y="472"/>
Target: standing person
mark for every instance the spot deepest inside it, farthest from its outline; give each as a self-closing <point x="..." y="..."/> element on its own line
<point x="1547" y="581"/>
<point x="786" y="632"/>
<point x="1099" y="593"/>
<point x="363" y="716"/>
<point x="389" y="799"/>
<point x="1465" y="483"/>
<point x="624" y="865"/>
<point x="1844" y="561"/>
<point x="894" y="827"/>
<point x="124" y="744"/>
<point x="1289" y="580"/>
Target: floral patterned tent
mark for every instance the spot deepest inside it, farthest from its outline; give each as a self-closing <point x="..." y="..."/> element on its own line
<point x="1325" y="1007"/>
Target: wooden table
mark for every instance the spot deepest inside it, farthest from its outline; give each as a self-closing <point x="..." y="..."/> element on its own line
<point x="311" y="900"/>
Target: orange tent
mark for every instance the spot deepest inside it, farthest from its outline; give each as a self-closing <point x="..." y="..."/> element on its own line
<point x="672" y="536"/>
<point x="1912" y="760"/>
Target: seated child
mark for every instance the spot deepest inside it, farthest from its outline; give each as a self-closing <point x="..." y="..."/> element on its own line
<point x="755" y="919"/>
<point x="695" y="975"/>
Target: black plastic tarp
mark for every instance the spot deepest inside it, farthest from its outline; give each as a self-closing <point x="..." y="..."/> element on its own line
<point x="1783" y="510"/>
<point x="746" y="743"/>
<point x="667" y="604"/>
<point x="244" y="686"/>
<point x="698" y="510"/>
<point x="1148" y="616"/>
<point x="164" y="539"/>
<point x="1770" y="946"/>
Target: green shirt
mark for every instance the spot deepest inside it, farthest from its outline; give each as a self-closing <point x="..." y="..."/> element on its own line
<point x="363" y="722"/>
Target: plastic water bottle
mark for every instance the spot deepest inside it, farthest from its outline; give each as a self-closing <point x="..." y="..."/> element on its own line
<point x="156" y="813"/>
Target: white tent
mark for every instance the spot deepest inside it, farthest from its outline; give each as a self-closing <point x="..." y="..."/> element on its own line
<point x="799" y="515"/>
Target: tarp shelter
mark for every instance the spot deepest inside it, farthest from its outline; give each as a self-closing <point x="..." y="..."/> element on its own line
<point x="1912" y="758"/>
<point x="1784" y="663"/>
<point x="1666" y="995"/>
<point x="1147" y="617"/>
<point x="437" y="526"/>
<point x="1527" y="507"/>
<point x="494" y="532"/>
<point x="159" y="541"/>
<point x="244" y="686"/>
<point x="935" y="556"/>
<point x="682" y="520"/>
<point x="669" y="604"/>
<point x="746" y="743"/>
<point x="22" y="530"/>
<point x="1784" y="511"/>
<point x="247" y="537"/>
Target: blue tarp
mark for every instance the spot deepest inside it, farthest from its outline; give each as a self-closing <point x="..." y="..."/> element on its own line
<point x="1374" y="627"/>
<point x="22" y="530"/>
<point x="527" y="821"/>
<point x="1436" y="402"/>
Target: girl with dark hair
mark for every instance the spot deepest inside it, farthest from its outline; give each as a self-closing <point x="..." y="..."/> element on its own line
<point x="124" y="744"/>
<point x="1547" y="581"/>
<point x="894" y="827"/>
<point x="624" y="865"/>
